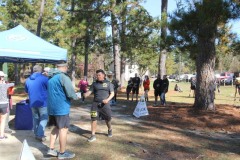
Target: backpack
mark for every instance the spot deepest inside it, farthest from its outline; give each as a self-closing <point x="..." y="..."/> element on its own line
<point x="237" y="81"/>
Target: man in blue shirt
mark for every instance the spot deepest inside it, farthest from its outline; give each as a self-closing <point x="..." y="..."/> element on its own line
<point x="36" y="87"/>
<point x="60" y="92"/>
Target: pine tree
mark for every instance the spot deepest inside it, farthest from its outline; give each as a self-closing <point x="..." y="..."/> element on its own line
<point x="195" y="28"/>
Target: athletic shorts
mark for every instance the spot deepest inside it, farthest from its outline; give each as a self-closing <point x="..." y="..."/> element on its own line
<point x="135" y="90"/>
<point x="59" y="121"/>
<point x="156" y="93"/>
<point x="4" y="108"/>
<point x="128" y="90"/>
<point x="101" y="111"/>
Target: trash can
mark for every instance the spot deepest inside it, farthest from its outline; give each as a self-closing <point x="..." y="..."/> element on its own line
<point x="23" y="117"/>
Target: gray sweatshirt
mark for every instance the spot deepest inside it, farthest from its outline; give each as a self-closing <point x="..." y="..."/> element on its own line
<point x="3" y="92"/>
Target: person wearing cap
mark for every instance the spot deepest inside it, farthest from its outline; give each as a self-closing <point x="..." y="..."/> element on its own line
<point x="4" y="103"/>
<point x="36" y="87"/>
<point x="103" y="92"/>
<point x="60" y="92"/>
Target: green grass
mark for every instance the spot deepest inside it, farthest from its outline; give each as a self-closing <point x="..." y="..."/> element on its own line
<point x="226" y="95"/>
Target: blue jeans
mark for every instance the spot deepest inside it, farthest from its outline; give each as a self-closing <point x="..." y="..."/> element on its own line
<point x="40" y="119"/>
<point x="162" y="97"/>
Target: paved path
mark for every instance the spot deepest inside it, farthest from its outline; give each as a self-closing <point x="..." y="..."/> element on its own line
<point x="11" y="148"/>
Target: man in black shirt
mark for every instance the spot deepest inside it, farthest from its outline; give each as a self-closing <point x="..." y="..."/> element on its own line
<point x="103" y="92"/>
<point x="156" y="86"/>
<point x="136" y="84"/>
<point x="164" y="89"/>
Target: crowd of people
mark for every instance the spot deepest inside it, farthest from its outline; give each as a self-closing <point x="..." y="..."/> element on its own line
<point x="160" y="88"/>
<point x="50" y="94"/>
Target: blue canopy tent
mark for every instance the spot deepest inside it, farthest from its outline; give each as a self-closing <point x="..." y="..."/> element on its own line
<point x="18" y="45"/>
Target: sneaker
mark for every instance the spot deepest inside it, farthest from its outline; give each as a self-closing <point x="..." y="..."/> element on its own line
<point x="41" y="139"/>
<point x="52" y="152"/>
<point x="3" y="138"/>
<point x="109" y="133"/>
<point x="92" y="138"/>
<point x="66" y="155"/>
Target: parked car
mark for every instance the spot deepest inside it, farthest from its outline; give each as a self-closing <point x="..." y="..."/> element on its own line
<point x="188" y="77"/>
<point x="180" y="78"/>
<point x="173" y="76"/>
<point x="229" y="81"/>
<point x="225" y="75"/>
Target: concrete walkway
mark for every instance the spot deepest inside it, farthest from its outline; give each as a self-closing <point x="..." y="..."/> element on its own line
<point x="11" y="147"/>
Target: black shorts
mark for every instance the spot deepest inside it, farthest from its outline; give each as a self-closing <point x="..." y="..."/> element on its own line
<point x="156" y="93"/>
<point x="100" y="111"/>
<point x="59" y="121"/>
<point x="238" y="86"/>
<point x="81" y="91"/>
<point x="135" y="90"/>
<point x="128" y="90"/>
<point x="4" y="108"/>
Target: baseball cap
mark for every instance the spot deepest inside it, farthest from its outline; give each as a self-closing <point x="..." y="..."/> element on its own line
<point x="2" y="74"/>
<point x="62" y="64"/>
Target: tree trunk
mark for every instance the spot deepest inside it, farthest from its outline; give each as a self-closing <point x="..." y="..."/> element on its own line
<point x="123" y="45"/>
<point x="163" y="55"/>
<point x="123" y="64"/>
<point x="73" y="45"/>
<point x="16" y="74"/>
<point x="73" y="61"/>
<point x="204" y="97"/>
<point x="40" y="18"/>
<point x="163" y="58"/>
<point x="22" y="71"/>
<point x="86" y="52"/>
<point x="116" y="50"/>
